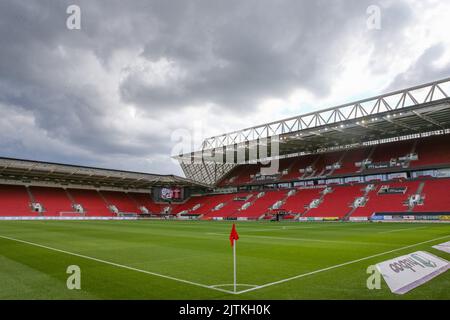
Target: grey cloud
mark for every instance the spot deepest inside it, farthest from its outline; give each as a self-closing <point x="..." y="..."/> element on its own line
<point x="387" y="42"/>
<point x="240" y="55"/>
<point x="424" y="69"/>
<point x="232" y="55"/>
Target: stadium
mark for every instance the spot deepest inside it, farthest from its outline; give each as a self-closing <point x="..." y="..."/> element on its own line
<point x="317" y="200"/>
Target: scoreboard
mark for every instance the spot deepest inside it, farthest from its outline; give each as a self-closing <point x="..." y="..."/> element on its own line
<point x="169" y="194"/>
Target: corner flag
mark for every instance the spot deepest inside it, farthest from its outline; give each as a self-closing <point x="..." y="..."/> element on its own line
<point x="233" y="238"/>
<point x="233" y="235"/>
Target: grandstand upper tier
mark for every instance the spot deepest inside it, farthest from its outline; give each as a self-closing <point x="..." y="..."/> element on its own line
<point x="329" y="142"/>
<point x="398" y="158"/>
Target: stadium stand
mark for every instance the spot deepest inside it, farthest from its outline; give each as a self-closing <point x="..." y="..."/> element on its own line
<point x="386" y="152"/>
<point x="225" y="205"/>
<point x="337" y="203"/>
<point x="241" y="175"/>
<point x="350" y="158"/>
<point x="392" y="195"/>
<point x="391" y="201"/>
<point x="15" y="201"/>
<point x="92" y="202"/>
<point x="351" y="161"/>
<point x="432" y="151"/>
<point x="327" y="160"/>
<point x="258" y="206"/>
<point x="211" y="202"/>
<point x="189" y="205"/>
<point x="145" y="200"/>
<point x="297" y="203"/>
<point x="299" y="163"/>
<point x="436" y="196"/>
<point x="53" y="200"/>
<point x="285" y="166"/>
<point x="122" y="201"/>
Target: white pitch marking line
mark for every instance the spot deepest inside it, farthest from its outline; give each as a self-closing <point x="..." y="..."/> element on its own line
<point x="232" y="284"/>
<point x="212" y="287"/>
<point x="337" y="266"/>
<point x="119" y="265"/>
<point x="403" y="229"/>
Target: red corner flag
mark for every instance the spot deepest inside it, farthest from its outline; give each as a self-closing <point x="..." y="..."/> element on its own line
<point x="233" y="235"/>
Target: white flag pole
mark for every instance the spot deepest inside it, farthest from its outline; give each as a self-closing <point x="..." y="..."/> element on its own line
<point x="234" y="263"/>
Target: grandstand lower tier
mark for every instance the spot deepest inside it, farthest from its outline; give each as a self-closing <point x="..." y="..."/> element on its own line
<point x="17" y="200"/>
<point x="339" y="202"/>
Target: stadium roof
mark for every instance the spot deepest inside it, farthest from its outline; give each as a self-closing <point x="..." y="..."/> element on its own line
<point x="28" y="171"/>
<point x="411" y="112"/>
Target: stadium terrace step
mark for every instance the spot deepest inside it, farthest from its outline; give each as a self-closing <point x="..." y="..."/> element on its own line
<point x="436" y="196"/>
<point x="262" y="205"/>
<point x="15" y="201"/>
<point x="349" y="159"/>
<point x="54" y="200"/>
<point x="338" y="203"/>
<point x="396" y="200"/>
<point x="432" y="151"/>
<point x="145" y="200"/>
<point x="121" y="201"/>
<point x="91" y="201"/>
<point x="297" y="203"/>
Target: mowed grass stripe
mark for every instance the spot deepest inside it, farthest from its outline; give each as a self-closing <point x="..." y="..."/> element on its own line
<point x="340" y="265"/>
<point x="116" y="264"/>
<point x="183" y="250"/>
<point x="215" y="287"/>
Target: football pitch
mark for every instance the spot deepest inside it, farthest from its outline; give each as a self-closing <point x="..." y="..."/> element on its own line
<point x="193" y="259"/>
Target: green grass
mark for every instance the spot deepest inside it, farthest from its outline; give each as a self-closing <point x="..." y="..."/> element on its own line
<point x="200" y="252"/>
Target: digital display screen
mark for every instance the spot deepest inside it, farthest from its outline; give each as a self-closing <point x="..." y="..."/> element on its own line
<point x="171" y="194"/>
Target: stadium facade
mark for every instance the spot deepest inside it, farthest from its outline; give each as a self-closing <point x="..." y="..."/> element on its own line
<point x="405" y="114"/>
<point x="382" y="158"/>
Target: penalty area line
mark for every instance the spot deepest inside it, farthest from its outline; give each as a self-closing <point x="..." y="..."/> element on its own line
<point x="119" y="265"/>
<point x="338" y="266"/>
<point x="232" y="284"/>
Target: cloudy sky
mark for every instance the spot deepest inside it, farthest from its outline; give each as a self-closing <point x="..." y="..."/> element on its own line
<point x="138" y="75"/>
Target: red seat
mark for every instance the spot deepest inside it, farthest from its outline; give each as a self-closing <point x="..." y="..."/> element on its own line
<point x="91" y="201"/>
<point x="14" y="201"/>
<point x="303" y="197"/>
<point x="387" y="202"/>
<point x="122" y="201"/>
<point x="145" y="200"/>
<point x="261" y="205"/>
<point x="433" y="151"/>
<point x="54" y="200"/>
<point x="436" y="195"/>
<point x="337" y="203"/>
